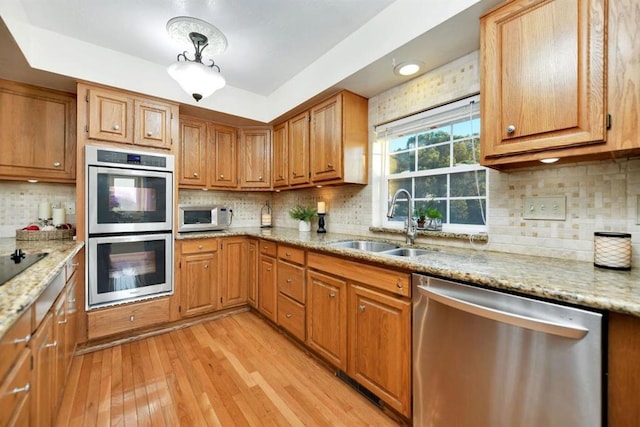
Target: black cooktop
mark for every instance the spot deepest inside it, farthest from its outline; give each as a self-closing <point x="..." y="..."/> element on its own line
<point x="16" y="263"/>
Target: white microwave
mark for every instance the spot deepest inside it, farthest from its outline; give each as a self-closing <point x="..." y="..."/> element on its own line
<point x="203" y="217"/>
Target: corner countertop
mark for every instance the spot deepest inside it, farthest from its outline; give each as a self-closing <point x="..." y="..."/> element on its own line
<point x="574" y="282"/>
<point x="22" y="290"/>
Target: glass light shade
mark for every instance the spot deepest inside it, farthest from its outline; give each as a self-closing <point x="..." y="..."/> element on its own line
<point x="196" y="79"/>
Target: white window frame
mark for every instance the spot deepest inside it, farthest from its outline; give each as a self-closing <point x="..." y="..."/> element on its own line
<point x="429" y="118"/>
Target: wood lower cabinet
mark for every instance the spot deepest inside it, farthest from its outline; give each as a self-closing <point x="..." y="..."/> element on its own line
<point x="623" y="370"/>
<point x="61" y="339"/>
<point x="119" y="319"/>
<point x="254" y="158"/>
<point x="380" y="345"/>
<point x="252" y="272"/>
<point x="43" y="348"/>
<point x="199" y="276"/>
<point x="235" y="271"/>
<point x="38" y="133"/>
<point x="268" y="281"/>
<point x="15" y="392"/>
<point x="327" y="317"/>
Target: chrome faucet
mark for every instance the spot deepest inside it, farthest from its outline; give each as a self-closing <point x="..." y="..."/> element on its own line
<point x="410" y="225"/>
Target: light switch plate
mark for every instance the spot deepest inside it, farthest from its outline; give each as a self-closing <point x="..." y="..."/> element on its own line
<point x="547" y="208"/>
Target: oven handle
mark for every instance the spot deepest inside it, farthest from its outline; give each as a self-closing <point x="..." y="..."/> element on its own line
<point x="528" y="322"/>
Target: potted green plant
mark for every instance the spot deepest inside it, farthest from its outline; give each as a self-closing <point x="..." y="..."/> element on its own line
<point x="421" y="215"/>
<point x="304" y="215"/>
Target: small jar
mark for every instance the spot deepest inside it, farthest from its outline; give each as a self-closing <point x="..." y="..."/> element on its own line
<point x="612" y="250"/>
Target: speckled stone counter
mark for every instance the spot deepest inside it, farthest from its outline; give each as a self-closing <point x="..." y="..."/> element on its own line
<point x="574" y="282"/>
<point x="22" y="290"/>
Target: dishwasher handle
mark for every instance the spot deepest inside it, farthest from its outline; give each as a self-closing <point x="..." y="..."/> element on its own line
<point x="528" y="322"/>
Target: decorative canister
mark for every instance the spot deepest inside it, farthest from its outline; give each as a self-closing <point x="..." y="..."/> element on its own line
<point x="612" y="250"/>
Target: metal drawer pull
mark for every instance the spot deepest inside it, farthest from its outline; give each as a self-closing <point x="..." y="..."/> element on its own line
<point x="330" y="165"/>
<point x="287" y="254"/>
<point x="27" y="338"/>
<point x="200" y="246"/>
<point x="116" y="127"/>
<point x="511" y="129"/>
<point x="269" y="269"/>
<point x="260" y="178"/>
<point x="206" y="266"/>
<point x="288" y="315"/>
<point x="56" y="164"/>
<point x="24" y="389"/>
<point x="332" y="295"/>
<point x="149" y="133"/>
<point x="64" y="322"/>
<point x="75" y="264"/>
<point x="221" y="176"/>
<point x="195" y="174"/>
<point x="288" y="280"/>
<point x="53" y="344"/>
<point x="72" y="300"/>
<point x="361" y="307"/>
<point x="399" y="284"/>
<point x="132" y="318"/>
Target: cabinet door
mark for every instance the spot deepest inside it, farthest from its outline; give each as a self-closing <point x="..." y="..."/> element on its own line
<point x="326" y="140"/>
<point x="255" y="158"/>
<point x="267" y="288"/>
<point x="280" y="153"/>
<point x="198" y="280"/>
<point x="299" y="149"/>
<point x="252" y="272"/>
<point x="37" y="133"/>
<point x="72" y="320"/>
<point x="543" y="77"/>
<point x="153" y="124"/>
<point x="233" y="283"/>
<point x="42" y="376"/>
<point x="110" y="116"/>
<point x="380" y="345"/>
<point x="223" y="156"/>
<point x="327" y="317"/>
<point x="15" y="392"/>
<point x="193" y="153"/>
<point x="60" y="328"/>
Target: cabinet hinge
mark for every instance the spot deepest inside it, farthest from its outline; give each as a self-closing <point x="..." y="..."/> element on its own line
<point x="86" y="97"/>
<point x="309" y="118"/>
<point x="86" y="128"/>
<point x="220" y="300"/>
<point x="179" y="264"/>
<point x="608" y="121"/>
<point x="179" y="309"/>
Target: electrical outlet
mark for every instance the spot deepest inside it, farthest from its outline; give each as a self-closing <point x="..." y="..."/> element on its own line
<point x="549" y="208"/>
<point x="70" y="208"/>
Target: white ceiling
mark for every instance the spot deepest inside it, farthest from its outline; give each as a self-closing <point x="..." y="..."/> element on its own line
<point x="281" y="52"/>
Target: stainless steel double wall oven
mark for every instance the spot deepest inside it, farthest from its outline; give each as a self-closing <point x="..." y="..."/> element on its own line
<point x="129" y="215"/>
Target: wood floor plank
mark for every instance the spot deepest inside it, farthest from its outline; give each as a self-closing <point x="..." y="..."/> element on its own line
<point x="232" y="371"/>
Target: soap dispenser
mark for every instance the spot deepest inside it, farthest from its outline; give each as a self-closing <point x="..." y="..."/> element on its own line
<point x="265" y="216"/>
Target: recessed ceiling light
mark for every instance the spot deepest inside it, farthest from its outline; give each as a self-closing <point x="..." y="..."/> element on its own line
<point x="407" y="68"/>
<point x="550" y="160"/>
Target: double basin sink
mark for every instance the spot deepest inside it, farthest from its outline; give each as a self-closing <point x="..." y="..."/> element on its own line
<point x="381" y="248"/>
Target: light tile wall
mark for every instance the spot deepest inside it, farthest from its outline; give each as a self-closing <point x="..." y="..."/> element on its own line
<point x="246" y="206"/>
<point x="19" y="203"/>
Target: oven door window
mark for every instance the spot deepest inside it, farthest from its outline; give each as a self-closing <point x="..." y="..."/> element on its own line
<point x="128" y="268"/>
<point x="131" y="199"/>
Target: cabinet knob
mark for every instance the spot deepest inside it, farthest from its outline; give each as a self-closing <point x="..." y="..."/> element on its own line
<point x="511" y="129"/>
<point x="24" y="389"/>
<point x="294" y="174"/>
<point x="330" y="165"/>
<point x="116" y="127"/>
<point x="288" y="315"/>
<point x="287" y="254"/>
<point x="56" y="164"/>
<point x="288" y="280"/>
<point x="195" y="174"/>
<point x="269" y="269"/>
<point x="332" y="295"/>
<point x="200" y="247"/>
<point x="361" y="307"/>
<point x="206" y="266"/>
<point x="132" y="318"/>
<point x="64" y="322"/>
<point x="149" y="133"/>
<point x="399" y="284"/>
<point x="280" y="177"/>
<point x="221" y="176"/>
<point x="50" y="345"/>
<point x="26" y="339"/>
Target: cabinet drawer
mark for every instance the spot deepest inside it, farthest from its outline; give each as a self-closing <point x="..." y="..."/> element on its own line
<point x="70" y="268"/>
<point x="13" y="341"/>
<point x="200" y="245"/>
<point x="291" y="254"/>
<point x="291" y="280"/>
<point x="14" y="389"/>
<point x="114" y="320"/>
<point x="47" y="298"/>
<point x="268" y="248"/>
<point x="291" y="316"/>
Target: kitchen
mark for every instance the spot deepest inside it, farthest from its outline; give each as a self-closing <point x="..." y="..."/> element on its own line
<point x="601" y="195"/>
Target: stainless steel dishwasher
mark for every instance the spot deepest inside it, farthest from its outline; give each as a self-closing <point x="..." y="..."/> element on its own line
<point x="486" y="358"/>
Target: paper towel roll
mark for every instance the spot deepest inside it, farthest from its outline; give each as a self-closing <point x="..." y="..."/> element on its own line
<point x="59" y="216"/>
<point x="44" y="210"/>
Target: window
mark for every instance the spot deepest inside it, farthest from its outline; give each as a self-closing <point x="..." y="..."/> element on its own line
<point x="434" y="155"/>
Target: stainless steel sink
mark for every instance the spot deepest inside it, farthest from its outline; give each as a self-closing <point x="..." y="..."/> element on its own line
<point x="406" y="252"/>
<point x="364" y="245"/>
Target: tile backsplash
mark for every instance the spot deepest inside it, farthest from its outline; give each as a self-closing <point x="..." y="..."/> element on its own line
<point x="19" y="203"/>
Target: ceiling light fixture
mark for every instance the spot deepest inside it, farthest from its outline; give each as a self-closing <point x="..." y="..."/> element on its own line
<point x="197" y="79"/>
<point x="407" y="68"/>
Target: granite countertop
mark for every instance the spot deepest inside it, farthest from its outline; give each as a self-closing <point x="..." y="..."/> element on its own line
<point x="22" y="290"/>
<point x="574" y="282"/>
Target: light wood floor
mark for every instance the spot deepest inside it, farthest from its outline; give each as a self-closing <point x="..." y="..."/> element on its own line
<point x="231" y="371"/>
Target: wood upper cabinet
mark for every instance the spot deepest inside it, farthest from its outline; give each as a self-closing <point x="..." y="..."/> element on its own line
<point x="233" y="281"/>
<point x="280" y="153"/>
<point x="222" y="156"/>
<point x="380" y="345"/>
<point x="193" y="153"/>
<point x="126" y="118"/>
<point x="543" y="84"/>
<point x="298" y="147"/>
<point x="339" y="139"/>
<point x="254" y="164"/>
<point x="198" y="277"/>
<point x="37" y="133"/>
<point x="327" y="317"/>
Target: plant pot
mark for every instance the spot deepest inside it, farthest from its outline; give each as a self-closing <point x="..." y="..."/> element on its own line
<point x="304" y="225"/>
<point x="434" y="224"/>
